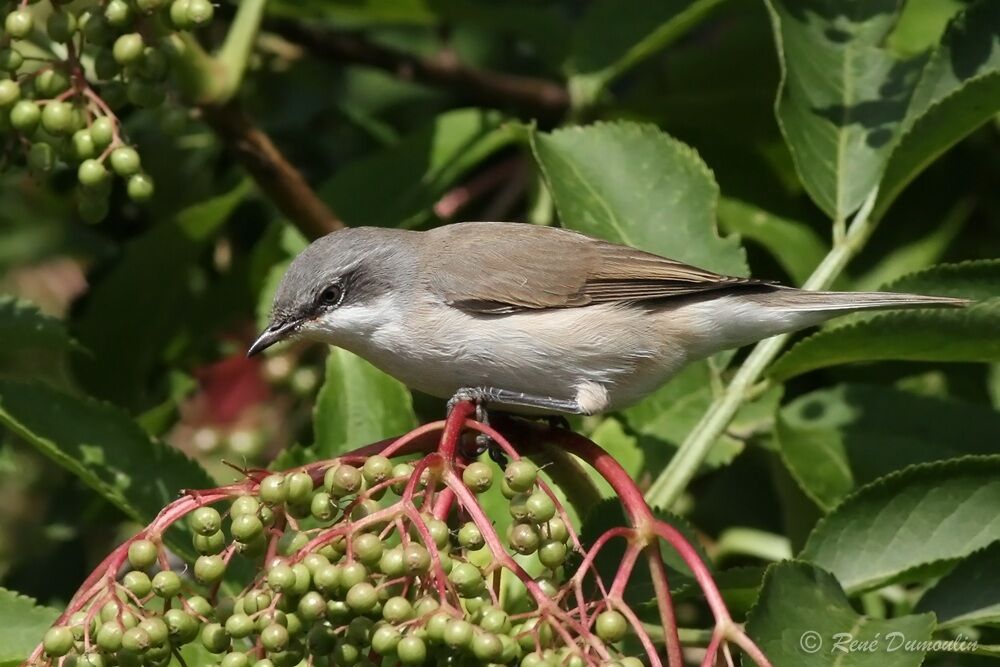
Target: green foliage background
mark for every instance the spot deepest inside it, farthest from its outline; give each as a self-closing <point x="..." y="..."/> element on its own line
<point x="829" y="143"/>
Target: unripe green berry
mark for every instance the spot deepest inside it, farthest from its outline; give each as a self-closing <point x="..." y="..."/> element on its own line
<point x="281" y="577"/>
<point x="411" y="650"/>
<point x="155" y="628"/>
<point x="611" y="626"/>
<point x="272" y="488"/>
<point x="235" y="659"/>
<point x="458" y="633"/>
<point x="166" y="584"/>
<point x="118" y="13"/>
<point x="239" y="626"/>
<point x="300" y="488"/>
<point x="10" y="93"/>
<point x="321" y="506"/>
<point x="478" y="477"/>
<point x="397" y="609"/>
<point x="274" y="637"/>
<point x="61" y="26"/>
<point x="83" y="145"/>
<point x="552" y="554"/>
<point x="521" y="475"/>
<point x="368" y="548"/>
<point x="540" y="507"/>
<point x="401" y="472"/>
<point x="206" y="545"/>
<point x="25" y="116"/>
<point x="495" y="621"/>
<point x="385" y="640"/>
<point x="523" y="538"/>
<point x="209" y="569"/>
<point x="205" y="520"/>
<point x="244" y="505"/>
<point x="19" y="23"/>
<point x="518" y="507"/>
<point x="136" y="640"/>
<point x="246" y="527"/>
<point x="327" y="578"/>
<point x="416" y="558"/>
<point x="57" y="118"/>
<point x="199" y="605"/>
<point x="102" y="131"/>
<point x="128" y="48"/>
<point x="391" y="562"/>
<point x="312" y="606"/>
<point x="41" y="157"/>
<point x="555" y="529"/>
<point x="142" y="554"/>
<point x="179" y="14"/>
<point x="109" y="636"/>
<point x="376" y="469"/>
<point x="181" y="626"/>
<point x="362" y="597"/>
<point x="467" y="579"/>
<point x="214" y="638"/>
<point x="57" y="641"/>
<point x="91" y="173"/>
<point x="200" y="12"/>
<point x="138" y="583"/>
<point x="470" y="537"/>
<point x="343" y="480"/>
<point x="10" y="60"/>
<point x="125" y="162"/>
<point x="140" y="189"/>
<point x="487" y="647"/>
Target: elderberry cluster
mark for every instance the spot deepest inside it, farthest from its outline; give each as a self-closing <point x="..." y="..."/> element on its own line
<point x="346" y="571"/>
<point x="67" y="68"/>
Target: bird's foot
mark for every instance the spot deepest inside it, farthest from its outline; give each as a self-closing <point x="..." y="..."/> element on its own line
<point x="482" y="442"/>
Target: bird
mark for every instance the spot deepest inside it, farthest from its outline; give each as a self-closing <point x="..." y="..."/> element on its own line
<point x="533" y="319"/>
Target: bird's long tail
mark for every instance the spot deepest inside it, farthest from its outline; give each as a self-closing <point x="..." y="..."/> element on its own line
<point x="818" y="302"/>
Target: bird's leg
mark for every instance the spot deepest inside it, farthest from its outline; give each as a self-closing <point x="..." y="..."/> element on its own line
<point x="485" y="395"/>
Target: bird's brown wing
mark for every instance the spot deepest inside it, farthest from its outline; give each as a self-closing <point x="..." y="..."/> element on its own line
<point x="496" y="268"/>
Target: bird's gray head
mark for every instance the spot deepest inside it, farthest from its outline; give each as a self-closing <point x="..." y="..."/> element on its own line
<point x="339" y="286"/>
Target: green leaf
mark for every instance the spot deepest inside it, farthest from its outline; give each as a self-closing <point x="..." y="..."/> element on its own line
<point x="101" y="445"/>
<point x="398" y="186"/>
<point x="34" y="344"/>
<point x="960" y="334"/>
<point x="22" y="624"/>
<point x="802" y="616"/>
<point x="842" y="96"/>
<point x="661" y="421"/>
<point x="796" y="247"/>
<point x="914" y="522"/>
<point x="836" y="439"/>
<point x="144" y="301"/>
<point x="969" y="594"/>
<point x="357" y="405"/>
<point x="613" y="36"/>
<point x="959" y="90"/>
<point x="633" y="184"/>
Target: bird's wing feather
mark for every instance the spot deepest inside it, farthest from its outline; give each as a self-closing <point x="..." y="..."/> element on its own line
<point x="532" y="267"/>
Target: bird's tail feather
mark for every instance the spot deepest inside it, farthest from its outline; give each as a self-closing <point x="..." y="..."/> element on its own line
<point x="814" y="301"/>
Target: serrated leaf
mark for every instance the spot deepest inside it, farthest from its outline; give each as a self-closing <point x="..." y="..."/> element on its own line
<point x="803" y="618"/>
<point x="613" y="36"/>
<point x="969" y="594"/>
<point x="917" y="521"/>
<point x="634" y="184"/>
<point x="842" y="96"/>
<point x="836" y="439"/>
<point x="34" y="344"/>
<point x="101" y="445"/>
<point x="398" y="186"/>
<point x="357" y="405"/>
<point x="961" y="334"/>
<point x="23" y="623"/>
<point x="793" y="244"/>
<point x="856" y="115"/>
<point x="135" y="310"/>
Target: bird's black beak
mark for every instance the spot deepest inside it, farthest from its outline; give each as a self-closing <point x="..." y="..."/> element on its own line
<point x="274" y="333"/>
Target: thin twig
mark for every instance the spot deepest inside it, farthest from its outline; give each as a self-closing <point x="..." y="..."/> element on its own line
<point x="530" y="97"/>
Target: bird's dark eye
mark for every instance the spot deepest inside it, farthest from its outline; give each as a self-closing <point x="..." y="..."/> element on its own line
<point x="331" y="295"/>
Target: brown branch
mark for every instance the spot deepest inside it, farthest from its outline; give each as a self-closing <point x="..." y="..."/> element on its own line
<point x="530" y="97"/>
<point x="273" y="173"/>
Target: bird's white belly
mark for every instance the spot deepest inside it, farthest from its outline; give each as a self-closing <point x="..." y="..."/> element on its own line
<point x="609" y="359"/>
